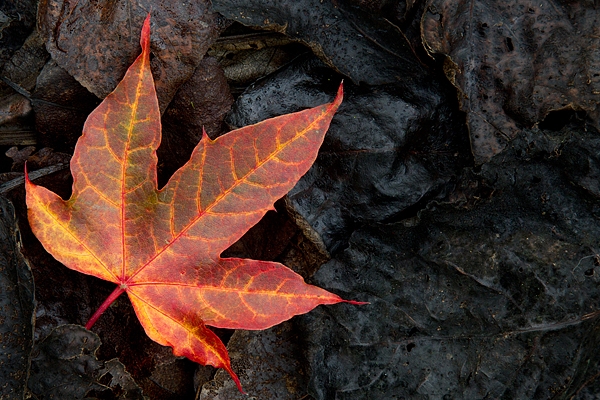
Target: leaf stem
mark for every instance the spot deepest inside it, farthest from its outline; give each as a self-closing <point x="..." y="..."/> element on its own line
<point x="109" y="300"/>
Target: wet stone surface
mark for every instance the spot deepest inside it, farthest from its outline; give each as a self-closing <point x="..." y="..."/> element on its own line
<point x="387" y="152"/>
<point x="497" y="297"/>
<point x="457" y="191"/>
<point x="17" y="304"/>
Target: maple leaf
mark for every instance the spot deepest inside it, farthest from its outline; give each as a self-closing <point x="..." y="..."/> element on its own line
<point x="162" y="247"/>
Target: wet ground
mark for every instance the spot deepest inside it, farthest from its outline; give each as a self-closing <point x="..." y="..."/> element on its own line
<point x="457" y="191"/>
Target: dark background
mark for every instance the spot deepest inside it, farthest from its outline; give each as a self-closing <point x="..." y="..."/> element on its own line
<point x="457" y="191"/>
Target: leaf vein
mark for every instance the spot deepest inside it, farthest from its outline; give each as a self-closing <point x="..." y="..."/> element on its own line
<point x="185" y="327"/>
<point x="218" y="199"/>
<point x="59" y="223"/>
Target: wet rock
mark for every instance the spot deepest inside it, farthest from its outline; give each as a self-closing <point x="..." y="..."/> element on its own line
<point x="496" y="297"/>
<point x="249" y="56"/>
<point x="61" y="106"/>
<point x="269" y="364"/>
<point x="96" y="42"/>
<point x="368" y="50"/>
<point x="17" y="306"/>
<point x="17" y="20"/>
<point x="64" y="366"/>
<point x="387" y="150"/>
<point x="515" y="62"/>
<point x="200" y="103"/>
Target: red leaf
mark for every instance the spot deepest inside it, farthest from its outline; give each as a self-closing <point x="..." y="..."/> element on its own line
<point x="163" y="247"/>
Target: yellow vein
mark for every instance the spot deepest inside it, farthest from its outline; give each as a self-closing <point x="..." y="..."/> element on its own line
<point x="59" y="223"/>
<point x="130" y="128"/>
<point x="204" y="342"/>
<point x="232" y="187"/>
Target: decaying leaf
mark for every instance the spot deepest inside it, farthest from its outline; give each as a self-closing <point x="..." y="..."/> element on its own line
<point x="64" y="366"/>
<point x="366" y="49"/>
<point x="18" y="307"/>
<point x="163" y="246"/>
<point x="183" y="31"/>
<point x="515" y="61"/>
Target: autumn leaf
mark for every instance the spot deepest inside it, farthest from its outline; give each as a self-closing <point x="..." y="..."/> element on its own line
<point x="162" y="247"/>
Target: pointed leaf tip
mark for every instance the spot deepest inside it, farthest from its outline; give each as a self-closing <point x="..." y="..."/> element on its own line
<point x="356" y="303"/>
<point x="235" y="379"/>
<point x="145" y="36"/>
<point x="340" y="95"/>
<point x="26" y="174"/>
<point x="205" y="135"/>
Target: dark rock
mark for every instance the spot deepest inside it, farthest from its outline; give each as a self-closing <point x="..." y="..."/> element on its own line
<point x="249" y="56"/>
<point x="515" y="62"/>
<point x="368" y="50"/>
<point x="494" y="298"/>
<point x="96" y="42"/>
<point x="269" y="364"/>
<point x="61" y="106"/>
<point x="64" y="366"/>
<point x="17" y="305"/>
<point x="200" y="103"/>
<point x="386" y="152"/>
<point x="19" y="74"/>
<point x="17" y="20"/>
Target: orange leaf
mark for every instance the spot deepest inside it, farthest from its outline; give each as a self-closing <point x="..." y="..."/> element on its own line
<point x="162" y="247"/>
